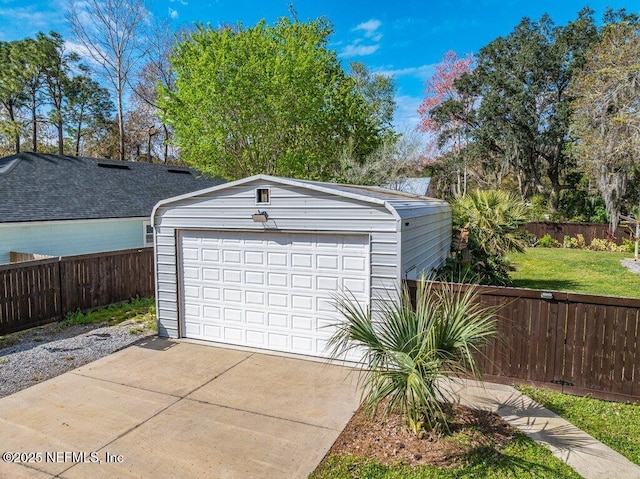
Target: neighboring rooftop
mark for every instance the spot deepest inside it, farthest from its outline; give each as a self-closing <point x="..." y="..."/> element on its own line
<point x="414" y="186"/>
<point x="41" y="187"/>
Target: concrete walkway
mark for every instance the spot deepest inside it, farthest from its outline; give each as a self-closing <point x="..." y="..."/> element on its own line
<point x="169" y="409"/>
<point x="589" y="457"/>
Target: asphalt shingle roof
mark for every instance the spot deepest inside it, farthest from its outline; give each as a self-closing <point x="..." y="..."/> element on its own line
<point x="41" y="187"/>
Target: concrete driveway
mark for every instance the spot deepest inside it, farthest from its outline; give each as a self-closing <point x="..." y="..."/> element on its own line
<point x="165" y="409"/>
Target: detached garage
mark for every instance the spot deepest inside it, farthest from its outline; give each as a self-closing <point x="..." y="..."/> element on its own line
<point x="256" y="262"/>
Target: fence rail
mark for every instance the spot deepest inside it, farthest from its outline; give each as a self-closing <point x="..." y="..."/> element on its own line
<point x="589" y="230"/>
<point x="575" y="343"/>
<point x="43" y="291"/>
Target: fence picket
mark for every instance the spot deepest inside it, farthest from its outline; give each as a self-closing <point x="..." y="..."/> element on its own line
<point x="577" y="343"/>
<point x="37" y="292"/>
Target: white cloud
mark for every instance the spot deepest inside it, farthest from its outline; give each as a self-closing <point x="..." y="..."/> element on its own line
<point x="369" y="27"/>
<point x="423" y="72"/>
<point x="83" y="52"/>
<point x="181" y="2"/>
<point x="173" y="13"/>
<point x="355" y="50"/>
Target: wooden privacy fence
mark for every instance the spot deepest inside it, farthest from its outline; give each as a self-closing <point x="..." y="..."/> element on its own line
<point x="39" y="292"/>
<point x="576" y="343"/>
<point x="589" y="230"/>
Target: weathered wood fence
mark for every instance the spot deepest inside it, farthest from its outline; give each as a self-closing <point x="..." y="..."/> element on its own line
<point x="576" y="343"/>
<point x="43" y="291"/>
<point x="589" y="230"/>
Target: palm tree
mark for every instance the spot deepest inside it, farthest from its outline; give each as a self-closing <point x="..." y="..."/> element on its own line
<point x="494" y="219"/>
<point x="409" y="350"/>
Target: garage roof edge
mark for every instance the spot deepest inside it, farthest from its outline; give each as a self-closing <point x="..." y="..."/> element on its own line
<point x="311" y="185"/>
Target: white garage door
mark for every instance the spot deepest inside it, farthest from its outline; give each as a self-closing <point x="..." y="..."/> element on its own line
<point x="269" y="290"/>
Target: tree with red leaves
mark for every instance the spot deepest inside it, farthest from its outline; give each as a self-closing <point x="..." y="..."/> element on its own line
<point x="447" y="139"/>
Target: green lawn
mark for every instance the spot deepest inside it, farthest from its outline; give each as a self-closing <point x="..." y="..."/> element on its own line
<point x="522" y="458"/>
<point x="615" y="424"/>
<point x="580" y="271"/>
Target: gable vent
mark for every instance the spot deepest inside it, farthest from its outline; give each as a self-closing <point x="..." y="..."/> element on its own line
<point x="180" y="172"/>
<point x="113" y="166"/>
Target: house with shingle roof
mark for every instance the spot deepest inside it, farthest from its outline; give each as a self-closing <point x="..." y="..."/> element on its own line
<point x="63" y="205"/>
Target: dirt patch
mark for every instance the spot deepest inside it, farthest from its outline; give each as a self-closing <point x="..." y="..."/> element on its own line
<point x="387" y="440"/>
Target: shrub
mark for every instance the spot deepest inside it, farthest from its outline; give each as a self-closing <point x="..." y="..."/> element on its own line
<point x="408" y="350"/>
<point x="628" y="245"/>
<point x="492" y="223"/>
<point x="572" y="242"/>
<point x="548" y="242"/>
<point x="598" y="244"/>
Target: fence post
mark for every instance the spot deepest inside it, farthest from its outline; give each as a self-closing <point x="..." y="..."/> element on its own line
<point x="61" y="290"/>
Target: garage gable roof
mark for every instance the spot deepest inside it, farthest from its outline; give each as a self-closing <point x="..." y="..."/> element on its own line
<point x="390" y="199"/>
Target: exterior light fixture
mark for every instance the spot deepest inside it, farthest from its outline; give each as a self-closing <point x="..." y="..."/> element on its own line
<point x="546" y="295"/>
<point x="260" y="217"/>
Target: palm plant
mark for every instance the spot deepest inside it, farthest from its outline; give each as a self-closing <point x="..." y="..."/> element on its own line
<point x="494" y="219"/>
<point x="408" y="350"/>
<point x="492" y="223"/>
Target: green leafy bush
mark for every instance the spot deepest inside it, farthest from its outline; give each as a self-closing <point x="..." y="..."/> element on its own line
<point x="628" y="245"/>
<point x="409" y="349"/>
<point x="598" y="244"/>
<point x="548" y="242"/>
<point x="576" y="242"/>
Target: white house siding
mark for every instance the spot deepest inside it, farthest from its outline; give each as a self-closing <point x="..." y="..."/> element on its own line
<point x="426" y="239"/>
<point x="62" y="238"/>
<point x="291" y="209"/>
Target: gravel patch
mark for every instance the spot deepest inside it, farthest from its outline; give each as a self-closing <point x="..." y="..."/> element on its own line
<point x="45" y="352"/>
<point x="631" y="265"/>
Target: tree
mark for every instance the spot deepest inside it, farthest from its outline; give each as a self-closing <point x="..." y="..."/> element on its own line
<point x="448" y="137"/>
<point x="144" y="129"/>
<point x="156" y="71"/>
<point x="86" y="110"/>
<point x="397" y="158"/>
<point x="34" y="56"/>
<point x="12" y="89"/>
<point x="111" y="32"/>
<point x="522" y="113"/>
<point x="606" y="121"/>
<point x="378" y="91"/>
<point x="56" y="72"/>
<point x="487" y="225"/>
<point x="265" y="99"/>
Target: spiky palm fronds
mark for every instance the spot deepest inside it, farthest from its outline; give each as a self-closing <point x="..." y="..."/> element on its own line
<point x="408" y="350"/>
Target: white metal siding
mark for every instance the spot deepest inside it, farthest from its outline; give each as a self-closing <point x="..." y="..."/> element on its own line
<point x="269" y="290"/>
<point x="291" y="209"/>
<point x="301" y="209"/>
<point x="426" y="240"/>
<point x="63" y="238"/>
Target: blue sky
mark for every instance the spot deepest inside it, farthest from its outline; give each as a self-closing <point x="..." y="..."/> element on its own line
<point x="402" y="38"/>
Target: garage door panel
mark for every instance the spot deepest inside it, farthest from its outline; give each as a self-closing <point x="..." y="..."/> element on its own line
<point x="329" y="262"/>
<point x="270" y="290"/>
<point x="302" y="260"/>
<point x="353" y="263"/>
<point x="232" y="276"/>
<point x="278" y="279"/>
<point x="210" y="255"/>
<point x="354" y="285"/>
<point x="277" y="259"/>
<point x="278" y="320"/>
<point x="254" y="277"/>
